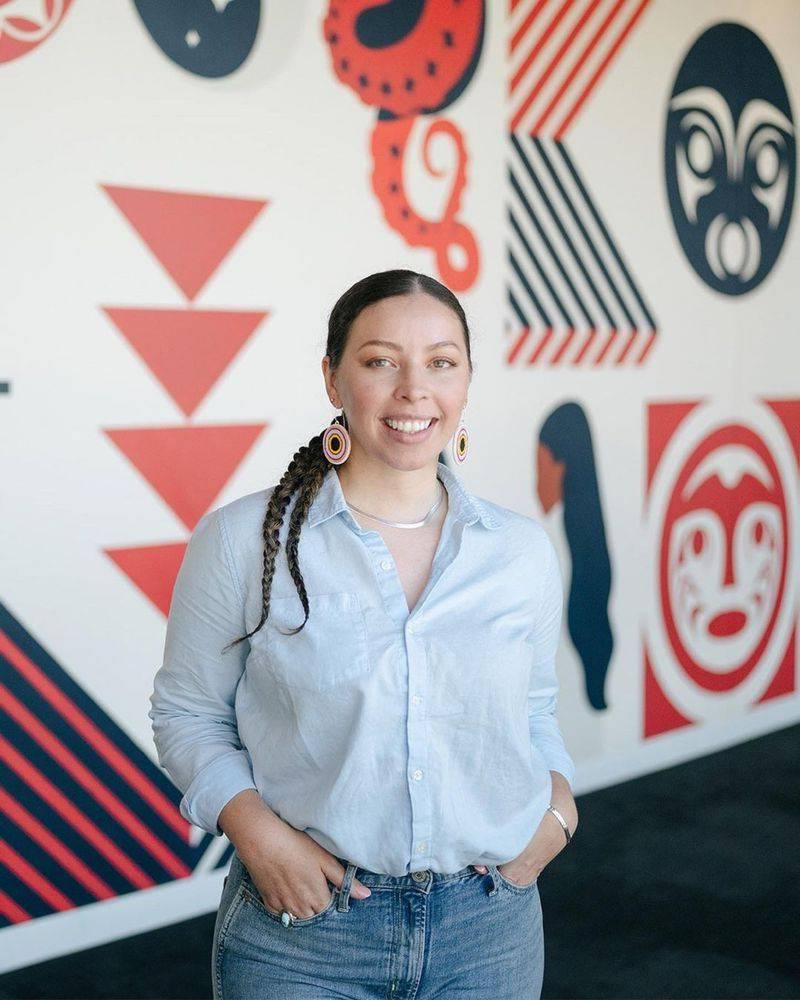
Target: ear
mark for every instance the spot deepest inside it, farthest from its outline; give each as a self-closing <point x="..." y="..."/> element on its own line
<point x="329" y="375"/>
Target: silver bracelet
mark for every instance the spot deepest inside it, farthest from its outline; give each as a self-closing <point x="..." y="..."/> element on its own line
<point x="561" y="820"/>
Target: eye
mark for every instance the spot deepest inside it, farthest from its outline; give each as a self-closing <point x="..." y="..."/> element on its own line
<point x="373" y="362"/>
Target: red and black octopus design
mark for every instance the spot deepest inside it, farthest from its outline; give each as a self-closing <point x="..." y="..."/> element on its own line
<point x="411" y="58"/>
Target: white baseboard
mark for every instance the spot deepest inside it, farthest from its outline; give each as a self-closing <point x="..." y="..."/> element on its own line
<point x="109" y="920"/>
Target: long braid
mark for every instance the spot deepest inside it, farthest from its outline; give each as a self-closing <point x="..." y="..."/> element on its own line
<point x="306" y="471"/>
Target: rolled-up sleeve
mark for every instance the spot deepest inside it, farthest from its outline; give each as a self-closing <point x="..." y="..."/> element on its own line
<point x="193" y="714"/>
<point x="543" y="689"/>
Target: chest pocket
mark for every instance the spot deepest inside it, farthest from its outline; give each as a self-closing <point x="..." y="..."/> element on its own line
<point x="328" y="652"/>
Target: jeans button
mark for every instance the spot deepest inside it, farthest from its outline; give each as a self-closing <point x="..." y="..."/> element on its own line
<point x="420" y="876"/>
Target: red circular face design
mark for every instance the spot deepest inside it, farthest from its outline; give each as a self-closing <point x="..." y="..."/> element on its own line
<point x="25" y="25"/>
<point x="723" y="557"/>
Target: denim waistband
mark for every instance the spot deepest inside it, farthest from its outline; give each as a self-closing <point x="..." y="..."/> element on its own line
<point x="373" y="879"/>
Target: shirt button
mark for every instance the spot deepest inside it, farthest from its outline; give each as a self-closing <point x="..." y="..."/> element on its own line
<point x="417" y="775"/>
<point x="386" y="563"/>
<point x="410" y="628"/>
<point x="421" y="847"/>
<point x="416" y="700"/>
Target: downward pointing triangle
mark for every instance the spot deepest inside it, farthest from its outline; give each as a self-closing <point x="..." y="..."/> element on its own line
<point x="187" y="466"/>
<point x="153" y="568"/>
<point x="190" y="234"/>
<point x="186" y="349"/>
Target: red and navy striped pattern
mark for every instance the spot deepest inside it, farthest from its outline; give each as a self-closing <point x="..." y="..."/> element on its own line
<point x="571" y="296"/>
<point x="85" y="815"/>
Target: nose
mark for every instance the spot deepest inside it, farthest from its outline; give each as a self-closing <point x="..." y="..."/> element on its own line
<point x="412" y="385"/>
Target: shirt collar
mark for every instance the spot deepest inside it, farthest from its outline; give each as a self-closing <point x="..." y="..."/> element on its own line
<point x="465" y="506"/>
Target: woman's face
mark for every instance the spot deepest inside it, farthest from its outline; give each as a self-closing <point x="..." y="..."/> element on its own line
<point x="420" y="371"/>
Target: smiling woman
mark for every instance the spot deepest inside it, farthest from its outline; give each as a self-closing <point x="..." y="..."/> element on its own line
<point x="390" y="711"/>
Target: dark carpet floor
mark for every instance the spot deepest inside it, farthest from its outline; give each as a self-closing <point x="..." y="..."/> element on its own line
<point x="684" y="883"/>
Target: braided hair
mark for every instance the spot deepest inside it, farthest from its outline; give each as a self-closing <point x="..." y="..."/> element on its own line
<point x="309" y="466"/>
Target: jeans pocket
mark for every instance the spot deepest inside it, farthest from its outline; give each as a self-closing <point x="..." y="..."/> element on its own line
<point x="514" y="885"/>
<point x="252" y="896"/>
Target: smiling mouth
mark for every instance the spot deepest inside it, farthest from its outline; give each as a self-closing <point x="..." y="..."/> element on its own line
<point x="411" y="429"/>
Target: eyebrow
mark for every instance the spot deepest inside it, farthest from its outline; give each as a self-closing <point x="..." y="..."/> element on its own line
<point x="397" y="347"/>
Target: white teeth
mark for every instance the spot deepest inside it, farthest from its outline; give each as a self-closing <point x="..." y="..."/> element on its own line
<point x="408" y="426"/>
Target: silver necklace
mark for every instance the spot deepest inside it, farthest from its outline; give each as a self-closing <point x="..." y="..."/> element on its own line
<point x="405" y="524"/>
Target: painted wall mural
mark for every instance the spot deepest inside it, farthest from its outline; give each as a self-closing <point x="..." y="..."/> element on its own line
<point x="209" y="39"/>
<point x="409" y="59"/>
<point x="566" y="471"/>
<point x="730" y="158"/>
<point x="612" y="198"/>
<point x="187" y="351"/>
<point x="25" y="24"/>
<point x="85" y="815"/>
<point x="571" y="296"/>
<point x="723" y="515"/>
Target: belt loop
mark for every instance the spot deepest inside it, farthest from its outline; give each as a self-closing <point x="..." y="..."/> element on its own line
<point x="495" y="879"/>
<point x="344" y="893"/>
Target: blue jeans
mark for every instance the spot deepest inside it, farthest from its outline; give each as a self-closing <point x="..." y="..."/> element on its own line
<point x="421" y="936"/>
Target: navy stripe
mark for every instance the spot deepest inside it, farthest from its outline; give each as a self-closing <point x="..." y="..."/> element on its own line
<point x="590" y="243"/>
<point x="523" y="319"/>
<point x="548" y="284"/>
<point x="601" y="226"/>
<point x="556" y="259"/>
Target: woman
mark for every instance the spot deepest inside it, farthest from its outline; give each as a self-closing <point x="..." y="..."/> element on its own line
<point x="376" y="734"/>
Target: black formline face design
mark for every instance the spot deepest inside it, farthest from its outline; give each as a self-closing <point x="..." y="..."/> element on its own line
<point x="730" y="158"/>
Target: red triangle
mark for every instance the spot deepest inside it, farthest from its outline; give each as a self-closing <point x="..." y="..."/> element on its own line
<point x="784" y="681"/>
<point x="186" y="349"/>
<point x="153" y="568"/>
<point x="187" y="466"/>
<point x="660" y="715"/>
<point x="661" y="421"/>
<point x="190" y="234"/>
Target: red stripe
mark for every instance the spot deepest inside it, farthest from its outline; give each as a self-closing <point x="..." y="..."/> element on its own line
<point x="559" y="55"/>
<point x="548" y="336"/>
<point x="564" y="345"/>
<point x="514" y="5"/>
<point x="606" y="347"/>
<point x="578" y="66"/>
<point x="101" y="743"/>
<point x="93" y="786"/>
<point x="69" y="861"/>
<point x="647" y="347"/>
<point x="530" y="17"/>
<point x="537" y="48"/>
<point x="632" y="337"/>
<point x="48" y="792"/>
<point x="581" y="353"/>
<point x="26" y="873"/>
<point x="11" y="911"/>
<point x="562" y="128"/>
<point x="512" y="354"/>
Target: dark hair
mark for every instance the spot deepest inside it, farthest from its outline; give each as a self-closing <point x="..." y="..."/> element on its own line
<point x="309" y="466"/>
<point x="567" y="434"/>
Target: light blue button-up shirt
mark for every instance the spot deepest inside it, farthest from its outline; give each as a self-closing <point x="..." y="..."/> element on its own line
<point x="398" y="741"/>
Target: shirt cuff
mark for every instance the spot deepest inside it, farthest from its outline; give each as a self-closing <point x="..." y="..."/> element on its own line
<point x="564" y="765"/>
<point x="214" y="787"/>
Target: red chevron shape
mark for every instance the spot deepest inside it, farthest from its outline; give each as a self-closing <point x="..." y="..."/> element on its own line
<point x="187" y="466"/>
<point x="189" y="234"/>
<point x="153" y="569"/>
<point x="186" y="349"/>
<point x="572" y="53"/>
